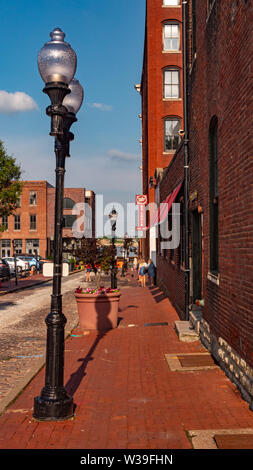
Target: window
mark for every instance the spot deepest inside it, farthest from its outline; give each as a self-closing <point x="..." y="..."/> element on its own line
<point x="171" y="37"/>
<point x="32" y="247"/>
<point x="17" y="222"/>
<point x="5" y="224"/>
<point x="68" y="221"/>
<point x="33" y="225"/>
<point x="68" y="203"/>
<point x="33" y="198"/>
<point x="18" y="202"/>
<point x="171" y="83"/>
<point x="171" y="137"/>
<point x="5" y="248"/>
<point x="171" y="3"/>
<point x="17" y="246"/>
<point x="213" y="195"/>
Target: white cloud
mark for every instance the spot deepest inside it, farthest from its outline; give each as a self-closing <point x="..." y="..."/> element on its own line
<point x="102" y="106"/>
<point x="121" y="156"/>
<point x="16" y="102"/>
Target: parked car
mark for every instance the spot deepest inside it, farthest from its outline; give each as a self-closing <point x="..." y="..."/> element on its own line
<point x="22" y="265"/>
<point x="31" y="261"/>
<point x="4" y="270"/>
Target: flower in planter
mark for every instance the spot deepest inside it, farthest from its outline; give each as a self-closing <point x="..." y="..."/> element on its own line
<point x="100" y="291"/>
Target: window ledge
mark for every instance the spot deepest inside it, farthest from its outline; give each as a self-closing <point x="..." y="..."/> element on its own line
<point x="215" y="278"/>
<point x="172" y="51"/>
<point x="171" y="6"/>
<point x="172" y="99"/>
<point x="170" y="152"/>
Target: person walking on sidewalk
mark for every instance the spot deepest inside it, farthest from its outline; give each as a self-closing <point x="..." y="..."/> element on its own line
<point x="151" y="272"/>
<point x="88" y="271"/>
<point x="142" y="272"/>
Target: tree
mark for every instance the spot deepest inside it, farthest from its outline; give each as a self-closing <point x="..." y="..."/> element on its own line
<point x="10" y="184"/>
<point x="93" y="253"/>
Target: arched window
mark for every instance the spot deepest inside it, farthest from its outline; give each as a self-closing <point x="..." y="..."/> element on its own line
<point x="171" y="36"/>
<point x="171" y="136"/>
<point x="213" y="195"/>
<point x="68" y="203"/>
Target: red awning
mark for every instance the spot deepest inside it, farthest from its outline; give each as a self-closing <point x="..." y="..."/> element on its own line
<point x="161" y="212"/>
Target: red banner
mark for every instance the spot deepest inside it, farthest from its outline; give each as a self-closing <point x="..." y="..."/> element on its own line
<point x="141" y="200"/>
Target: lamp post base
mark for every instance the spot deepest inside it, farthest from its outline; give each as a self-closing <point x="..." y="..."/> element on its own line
<point x="53" y="410"/>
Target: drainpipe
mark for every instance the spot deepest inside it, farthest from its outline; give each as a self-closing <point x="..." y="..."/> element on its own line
<point x="186" y="162"/>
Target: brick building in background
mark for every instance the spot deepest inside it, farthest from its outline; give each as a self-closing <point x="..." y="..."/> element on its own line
<point x="220" y="197"/>
<point x="32" y="226"/>
<point x="162" y="101"/>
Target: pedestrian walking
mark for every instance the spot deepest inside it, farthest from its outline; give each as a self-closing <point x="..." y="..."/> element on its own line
<point x="88" y="271"/>
<point x="142" y="271"/>
<point x="151" y="272"/>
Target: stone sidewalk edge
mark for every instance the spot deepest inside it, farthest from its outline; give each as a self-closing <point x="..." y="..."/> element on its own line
<point x="22" y="384"/>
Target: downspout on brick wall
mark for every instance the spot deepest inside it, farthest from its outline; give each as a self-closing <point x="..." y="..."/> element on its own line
<point x="186" y="162"/>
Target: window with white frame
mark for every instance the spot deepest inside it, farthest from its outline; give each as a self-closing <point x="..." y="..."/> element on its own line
<point x="33" y="198"/>
<point x="172" y="125"/>
<point x="171" y="37"/>
<point x="33" y="222"/>
<point x="171" y="83"/>
<point x="171" y="3"/>
<point x="5" y="225"/>
<point x="17" y="222"/>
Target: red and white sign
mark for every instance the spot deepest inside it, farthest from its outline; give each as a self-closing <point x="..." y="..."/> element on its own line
<point x="141" y="201"/>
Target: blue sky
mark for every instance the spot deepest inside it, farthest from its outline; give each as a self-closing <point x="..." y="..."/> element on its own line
<point x="108" y="37"/>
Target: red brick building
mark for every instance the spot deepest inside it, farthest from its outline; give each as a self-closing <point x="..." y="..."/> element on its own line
<point x="31" y="228"/>
<point x="220" y="199"/>
<point x="161" y="92"/>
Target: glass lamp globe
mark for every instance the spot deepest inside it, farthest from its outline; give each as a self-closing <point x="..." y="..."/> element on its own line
<point x="56" y="59"/>
<point x="113" y="218"/>
<point x="73" y="101"/>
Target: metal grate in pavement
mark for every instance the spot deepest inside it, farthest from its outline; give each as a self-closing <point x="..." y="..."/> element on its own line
<point x="165" y="323"/>
<point x="196" y="360"/>
<point x="234" y="441"/>
<point x="190" y="361"/>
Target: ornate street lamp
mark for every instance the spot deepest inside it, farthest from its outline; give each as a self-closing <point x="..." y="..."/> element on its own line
<point x="113" y="219"/>
<point x="57" y="66"/>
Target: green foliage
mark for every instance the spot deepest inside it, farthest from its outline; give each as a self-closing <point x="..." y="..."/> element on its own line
<point x="106" y="258"/>
<point x="10" y="184"/>
<point x="91" y="252"/>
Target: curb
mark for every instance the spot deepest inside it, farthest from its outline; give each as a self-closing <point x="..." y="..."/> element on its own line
<point x="43" y="281"/>
<point x="24" y="382"/>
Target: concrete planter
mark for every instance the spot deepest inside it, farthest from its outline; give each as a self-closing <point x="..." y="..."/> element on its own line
<point x="98" y="312"/>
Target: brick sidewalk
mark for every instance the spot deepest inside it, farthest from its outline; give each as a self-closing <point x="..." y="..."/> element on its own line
<point x="126" y="396"/>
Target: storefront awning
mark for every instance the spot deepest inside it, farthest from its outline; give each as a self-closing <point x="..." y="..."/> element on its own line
<point x="162" y="211"/>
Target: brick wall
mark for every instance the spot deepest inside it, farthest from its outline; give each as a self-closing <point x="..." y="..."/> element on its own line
<point x="154" y="107"/>
<point x="220" y="84"/>
<point x="170" y="272"/>
<point x="25" y="210"/>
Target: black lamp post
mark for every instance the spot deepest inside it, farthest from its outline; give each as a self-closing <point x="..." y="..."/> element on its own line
<point x="113" y="219"/>
<point x="57" y="66"/>
<point x="124" y="255"/>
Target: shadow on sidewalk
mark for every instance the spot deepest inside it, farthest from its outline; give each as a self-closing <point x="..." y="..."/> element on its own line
<point x="77" y="377"/>
<point x="157" y="293"/>
<point x="103" y="326"/>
